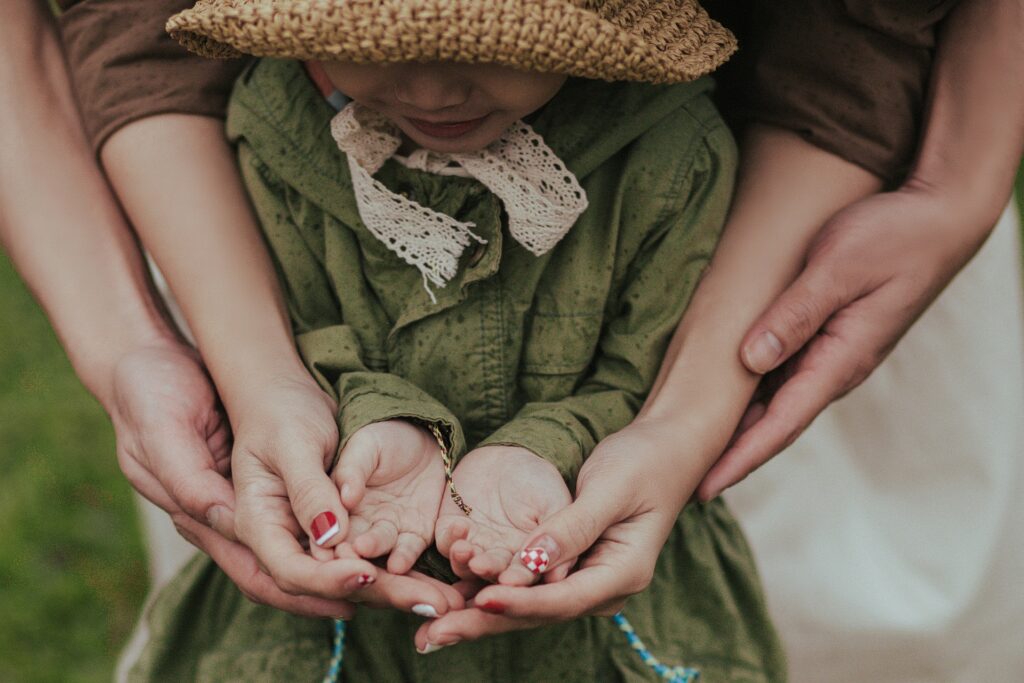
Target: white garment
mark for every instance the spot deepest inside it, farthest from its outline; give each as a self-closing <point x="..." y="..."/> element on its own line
<point x="890" y="536"/>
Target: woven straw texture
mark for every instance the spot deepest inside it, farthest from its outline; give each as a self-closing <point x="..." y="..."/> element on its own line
<point x="658" y="41"/>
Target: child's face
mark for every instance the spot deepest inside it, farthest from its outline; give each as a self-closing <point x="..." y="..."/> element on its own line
<point x="445" y="106"/>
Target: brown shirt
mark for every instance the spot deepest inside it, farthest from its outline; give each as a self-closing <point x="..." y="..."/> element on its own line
<point x="847" y="75"/>
<point x="125" y="67"/>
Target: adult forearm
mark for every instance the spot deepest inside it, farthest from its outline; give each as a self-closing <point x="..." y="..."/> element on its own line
<point x="195" y="219"/>
<point x="58" y="220"/>
<point x="703" y="387"/>
<point x="974" y="130"/>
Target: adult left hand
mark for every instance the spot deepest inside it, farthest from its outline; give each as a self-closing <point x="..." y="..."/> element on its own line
<point x="870" y="273"/>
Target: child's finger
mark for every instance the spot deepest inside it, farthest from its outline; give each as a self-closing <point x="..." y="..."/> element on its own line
<point x="460" y="554"/>
<point x="448" y="531"/>
<point x="407" y="550"/>
<point x="378" y="540"/>
<point x="356" y="464"/>
<point x="490" y="563"/>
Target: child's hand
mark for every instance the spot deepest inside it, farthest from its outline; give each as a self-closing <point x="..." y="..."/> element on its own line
<point x="391" y="478"/>
<point x="511" y="491"/>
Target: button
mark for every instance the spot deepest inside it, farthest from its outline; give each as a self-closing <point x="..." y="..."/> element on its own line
<point x="477" y="254"/>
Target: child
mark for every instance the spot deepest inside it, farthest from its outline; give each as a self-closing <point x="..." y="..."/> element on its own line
<point x="461" y="280"/>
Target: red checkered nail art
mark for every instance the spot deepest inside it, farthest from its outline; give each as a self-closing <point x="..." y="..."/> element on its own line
<point x="365" y="579"/>
<point x="535" y="559"/>
<point x="325" y="527"/>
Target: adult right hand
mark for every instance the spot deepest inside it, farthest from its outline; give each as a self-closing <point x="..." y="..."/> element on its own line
<point x="173" y="445"/>
<point x="628" y="495"/>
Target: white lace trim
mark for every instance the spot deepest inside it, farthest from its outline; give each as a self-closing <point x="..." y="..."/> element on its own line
<point x="542" y="198"/>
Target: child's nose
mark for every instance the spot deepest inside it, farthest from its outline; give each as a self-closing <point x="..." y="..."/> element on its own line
<point x="428" y="88"/>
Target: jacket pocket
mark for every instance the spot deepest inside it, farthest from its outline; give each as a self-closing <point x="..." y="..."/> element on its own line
<point x="558" y="350"/>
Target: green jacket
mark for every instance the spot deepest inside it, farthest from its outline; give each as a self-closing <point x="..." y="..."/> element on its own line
<point x="551" y="353"/>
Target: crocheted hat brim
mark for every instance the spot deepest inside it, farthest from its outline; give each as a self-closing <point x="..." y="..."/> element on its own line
<point x="657" y="41"/>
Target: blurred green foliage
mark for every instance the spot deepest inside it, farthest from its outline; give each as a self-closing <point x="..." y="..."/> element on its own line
<point x="72" y="569"/>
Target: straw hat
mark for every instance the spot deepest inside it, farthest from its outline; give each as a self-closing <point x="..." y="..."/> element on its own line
<point x="659" y="41"/>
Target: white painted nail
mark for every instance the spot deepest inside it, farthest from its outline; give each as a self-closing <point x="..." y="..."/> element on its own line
<point x="431" y="647"/>
<point x="424" y="610"/>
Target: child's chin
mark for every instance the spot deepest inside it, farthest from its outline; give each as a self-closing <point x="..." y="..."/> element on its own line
<point x="464" y="144"/>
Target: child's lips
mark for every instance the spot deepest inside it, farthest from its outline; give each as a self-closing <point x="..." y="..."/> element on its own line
<point x="446" y="129"/>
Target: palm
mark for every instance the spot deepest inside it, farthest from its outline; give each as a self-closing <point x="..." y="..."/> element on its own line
<point x="511" y="491"/>
<point x="398" y="508"/>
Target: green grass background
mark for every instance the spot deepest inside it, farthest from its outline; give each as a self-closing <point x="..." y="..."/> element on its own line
<point x="72" y="568"/>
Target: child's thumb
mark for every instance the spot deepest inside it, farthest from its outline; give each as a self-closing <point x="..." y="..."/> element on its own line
<point x="553" y="546"/>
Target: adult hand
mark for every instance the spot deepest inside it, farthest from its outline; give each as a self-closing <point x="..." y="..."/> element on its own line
<point x="285" y="437"/>
<point x="628" y="496"/>
<point x="173" y="445"/>
<point x="871" y="271"/>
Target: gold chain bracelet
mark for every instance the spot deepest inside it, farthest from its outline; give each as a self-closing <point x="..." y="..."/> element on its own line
<point x="446" y="458"/>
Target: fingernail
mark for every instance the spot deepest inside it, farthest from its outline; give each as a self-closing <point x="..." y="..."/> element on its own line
<point x="346" y="491"/>
<point x="215" y="516"/>
<point x="424" y="610"/>
<point x="763" y="354"/>
<point x="430" y="647"/>
<point x="361" y="581"/>
<point x="325" y="527"/>
<point x="493" y="607"/>
<point x="535" y="559"/>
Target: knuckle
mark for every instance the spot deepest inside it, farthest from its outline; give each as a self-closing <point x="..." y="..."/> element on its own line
<point x="801" y="318"/>
<point x="285" y="583"/>
<point x="180" y="490"/>
<point x="304" y="494"/>
<point x="580" y="534"/>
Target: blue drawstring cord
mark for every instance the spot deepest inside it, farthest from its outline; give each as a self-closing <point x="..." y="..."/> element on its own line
<point x="673" y="674"/>
<point x="337" y="652"/>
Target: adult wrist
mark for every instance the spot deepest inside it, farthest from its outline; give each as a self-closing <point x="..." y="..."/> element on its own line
<point x="972" y="204"/>
<point x="96" y="362"/>
<point x="246" y="378"/>
<point x="673" y="453"/>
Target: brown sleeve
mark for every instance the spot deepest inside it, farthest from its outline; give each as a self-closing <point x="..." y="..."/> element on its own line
<point x="848" y="75"/>
<point x="125" y="67"/>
